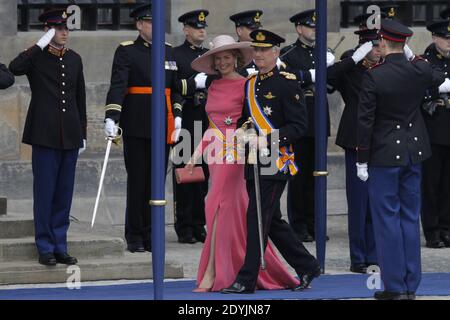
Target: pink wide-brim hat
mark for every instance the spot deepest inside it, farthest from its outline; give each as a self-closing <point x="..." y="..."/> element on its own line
<point x="205" y="63"/>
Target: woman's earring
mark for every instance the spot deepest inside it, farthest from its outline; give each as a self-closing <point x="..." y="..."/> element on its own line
<point x="236" y="64"/>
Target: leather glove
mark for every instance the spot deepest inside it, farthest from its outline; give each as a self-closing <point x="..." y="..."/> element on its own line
<point x="111" y="128"/>
<point x="408" y="52"/>
<point x="46" y="38"/>
<point x="330" y="59"/>
<point x="362" y="51"/>
<point x="200" y="80"/>
<point x="177" y="123"/>
<point x="445" y="86"/>
<point x="81" y="150"/>
<point x="362" y="171"/>
<point x="313" y="75"/>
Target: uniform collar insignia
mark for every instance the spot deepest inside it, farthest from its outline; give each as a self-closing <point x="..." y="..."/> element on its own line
<point x="56" y="51"/>
<point x="264" y="76"/>
<point x="269" y="96"/>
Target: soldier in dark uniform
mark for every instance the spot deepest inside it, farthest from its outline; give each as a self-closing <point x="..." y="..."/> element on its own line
<point x="128" y="104"/>
<point x="246" y="22"/>
<point x="190" y="198"/>
<point x="299" y="57"/>
<point x="6" y="77"/>
<point x="436" y="170"/>
<point x="346" y="77"/>
<point x="56" y="129"/>
<point x="392" y="144"/>
<point x="276" y="104"/>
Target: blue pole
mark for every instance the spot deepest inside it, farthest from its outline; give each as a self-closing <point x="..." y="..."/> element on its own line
<point x="158" y="172"/>
<point x="320" y="201"/>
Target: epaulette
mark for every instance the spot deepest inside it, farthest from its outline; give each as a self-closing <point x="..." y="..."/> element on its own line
<point x="251" y="75"/>
<point x="127" y="43"/>
<point x="289" y="76"/>
<point x="168" y="44"/>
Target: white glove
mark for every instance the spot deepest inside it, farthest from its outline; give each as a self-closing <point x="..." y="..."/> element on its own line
<point x="200" y="80"/>
<point x="313" y="75"/>
<point x="445" y="86"/>
<point x="408" y="52"/>
<point x="177" y="124"/>
<point x="279" y="63"/>
<point x="362" y="171"/>
<point x="81" y="150"/>
<point x="362" y="51"/>
<point x="330" y="59"/>
<point x="251" y="71"/>
<point x="46" y="38"/>
<point x="111" y="128"/>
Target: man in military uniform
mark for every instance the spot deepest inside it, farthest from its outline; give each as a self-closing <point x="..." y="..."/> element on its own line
<point x="346" y="77"/>
<point x="436" y="170"/>
<point x="128" y="104"/>
<point x="56" y="129"/>
<point x="299" y="57"/>
<point x="275" y="103"/>
<point x="190" y="198"/>
<point x="6" y="77"/>
<point x="392" y="143"/>
<point x="246" y="22"/>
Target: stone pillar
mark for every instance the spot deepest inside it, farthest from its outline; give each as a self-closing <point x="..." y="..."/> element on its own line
<point x="8" y="18"/>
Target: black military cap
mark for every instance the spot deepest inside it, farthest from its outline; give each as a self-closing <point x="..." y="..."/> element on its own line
<point x="265" y="38"/>
<point x="393" y="30"/>
<point x="366" y="35"/>
<point x="445" y="14"/>
<point x="440" y="28"/>
<point x="195" y="19"/>
<point x="361" y="19"/>
<point x="250" y="19"/>
<point x="390" y="10"/>
<point x="54" y="17"/>
<point x="142" y="12"/>
<point x="305" y="18"/>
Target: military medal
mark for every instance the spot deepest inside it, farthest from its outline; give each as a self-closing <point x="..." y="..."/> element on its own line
<point x="268" y="110"/>
<point x="228" y="121"/>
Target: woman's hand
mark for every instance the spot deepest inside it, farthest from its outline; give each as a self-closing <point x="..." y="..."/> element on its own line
<point x="190" y="166"/>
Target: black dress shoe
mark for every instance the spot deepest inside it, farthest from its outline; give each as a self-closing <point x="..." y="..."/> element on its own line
<point x="386" y="295"/>
<point x="411" y="295"/>
<point x="187" y="239"/>
<point x="435" y="244"/>
<point x="305" y="237"/>
<point x="47" y="259"/>
<point x="306" y="279"/>
<point x="64" y="258"/>
<point x="148" y="246"/>
<point x="237" y="287"/>
<point x="135" y="248"/>
<point x="200" y="235"/>
<point x="446" y="240"/>
<point x="359" y="268"/>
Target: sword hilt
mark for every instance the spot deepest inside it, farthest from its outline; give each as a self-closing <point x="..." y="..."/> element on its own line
<point x="116" y="139"/>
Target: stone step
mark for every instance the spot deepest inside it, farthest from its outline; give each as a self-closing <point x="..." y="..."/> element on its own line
<point x="129" y="267"/>
<point x="16" y="226"/>
<point x="79" y="245"/>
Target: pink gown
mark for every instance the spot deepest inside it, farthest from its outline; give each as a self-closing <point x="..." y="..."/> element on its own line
<point x="227" y="200"/>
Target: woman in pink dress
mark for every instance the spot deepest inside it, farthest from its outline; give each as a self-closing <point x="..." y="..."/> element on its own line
<point x="226" y="203"/>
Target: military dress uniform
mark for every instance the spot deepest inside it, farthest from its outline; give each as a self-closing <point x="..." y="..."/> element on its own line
<point x="189" y="198"/>
<point x="129" y="104"/>
<point x="6" y="77"/>
<point x="299" y="57"/>
<point x="275" y="103"/>
<point x="393" y="140"/>
<point x="436" y="170"/>
<point x="55" y="127"/>
<point x="250" y="19"/>
<point x="346" y="77"/>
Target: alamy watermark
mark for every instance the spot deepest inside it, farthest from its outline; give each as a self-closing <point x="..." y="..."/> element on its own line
<point x="74" y="279"/>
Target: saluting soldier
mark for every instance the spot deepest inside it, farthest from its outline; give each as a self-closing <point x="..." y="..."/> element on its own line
<point x="190" y="198"/>
<point x="436" y="170"/>
<point x="6" y="77"/>
<point x="246" y="22"/>
<point x="392" y="144"/>
<point x="346" y="77"/>
<point x="299" y="57"/>
<point x="275" y="103"/>
<point x="56" y="129"/>
<point x="128" y="104"/>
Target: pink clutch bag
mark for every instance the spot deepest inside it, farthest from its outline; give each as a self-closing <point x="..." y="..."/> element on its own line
<point x="183" y="175"/>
